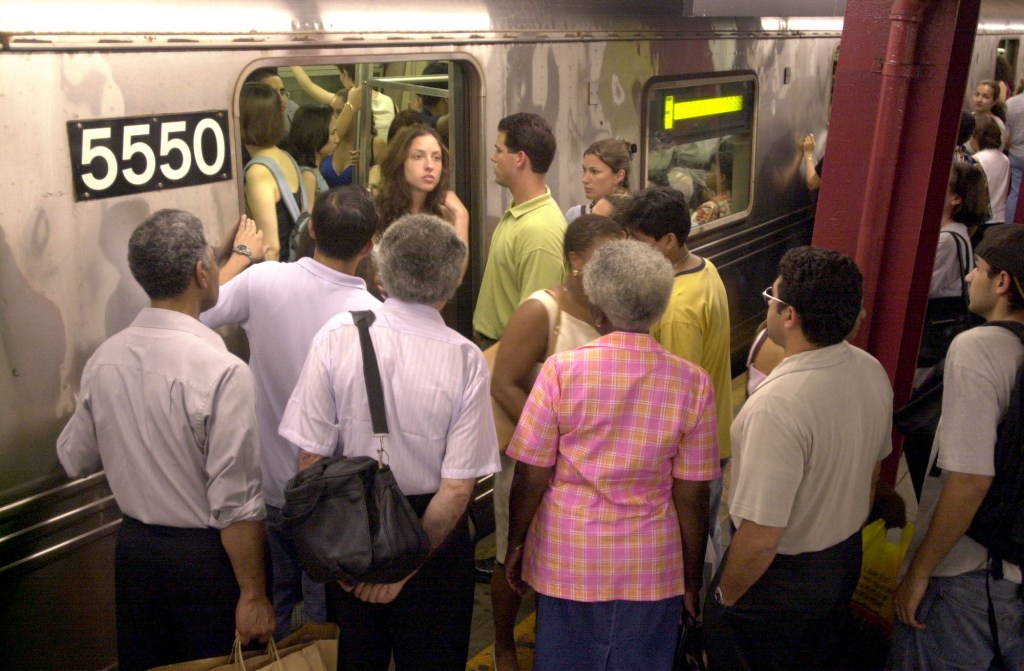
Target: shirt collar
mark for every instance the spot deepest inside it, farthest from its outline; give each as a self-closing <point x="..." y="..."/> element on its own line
<point x="822" y="357"/>
<point x="518" y="210"/>
<point x="624" y="340"/>
<point x="329" y="274"/>
<point x="414" y="311"/>
<point x="172" y="320"/>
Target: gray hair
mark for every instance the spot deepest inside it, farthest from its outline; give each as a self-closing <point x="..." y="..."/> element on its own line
<point x="630" y="282"/>
<point x="420" y="259"/>
<point x="163" y="251"/>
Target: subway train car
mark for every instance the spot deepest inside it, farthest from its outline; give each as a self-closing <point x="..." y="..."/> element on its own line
<point x="112" y="109"/>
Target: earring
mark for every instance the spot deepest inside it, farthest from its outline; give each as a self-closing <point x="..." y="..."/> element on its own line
<point x="576" y="272"/>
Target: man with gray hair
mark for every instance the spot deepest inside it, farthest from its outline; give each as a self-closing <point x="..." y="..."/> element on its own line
<point x="437" y="400"/>
<point x="170" y="415"/>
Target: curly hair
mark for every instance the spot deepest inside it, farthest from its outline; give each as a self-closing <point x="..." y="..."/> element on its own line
<point x="420" y="259"/>
<point x="163" y="251"/>
<point x="630" y="282"/>
<point x="825" y="289"/>
<point x="395" y="198"/>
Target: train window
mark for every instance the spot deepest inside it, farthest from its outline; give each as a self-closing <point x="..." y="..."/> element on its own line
<point x="699" y="140"/>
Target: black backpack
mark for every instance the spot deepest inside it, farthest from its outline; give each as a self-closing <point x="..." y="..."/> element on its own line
<point x="999" y="522"/>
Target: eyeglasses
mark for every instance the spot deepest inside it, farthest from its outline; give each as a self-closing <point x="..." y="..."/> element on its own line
<point x="769" y="296"/>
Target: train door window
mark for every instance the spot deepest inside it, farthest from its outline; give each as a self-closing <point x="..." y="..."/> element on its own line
<point x="338" y="118"/>
<point x="1008" y="52"/>
<point x="699" y="141"/>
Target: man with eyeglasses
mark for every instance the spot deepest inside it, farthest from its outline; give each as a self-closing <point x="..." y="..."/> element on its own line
<point x="271" y="78"/>
<point x="807" y="447"/>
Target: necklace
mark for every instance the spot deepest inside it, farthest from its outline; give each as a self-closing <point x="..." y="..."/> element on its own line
<point x="682" y="261"/>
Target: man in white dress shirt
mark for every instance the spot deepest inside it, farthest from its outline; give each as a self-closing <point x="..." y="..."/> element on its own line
<point x="170" y="415"/>
<point x="442" y="438"/>
<point x="281" y="306"/>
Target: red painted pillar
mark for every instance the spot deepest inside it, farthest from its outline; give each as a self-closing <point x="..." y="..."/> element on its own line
<point x="900" y="86"/>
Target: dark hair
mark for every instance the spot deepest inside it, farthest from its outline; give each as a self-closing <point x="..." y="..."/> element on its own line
<point x="163" y="251"/>
<point x="348" y="69"/>
<point x="344" y="220"/>
<point x="434" y="68"/>
<point x="259" y="74"/>
<point x="530" y="134"/>
<point x="986" y="132"/>
<point x="260" y="115"/>
<point x="1015" y="302"/>
<point x="968" y="181"/>
<point x="614" y="153"/>
<point x="311" y="129"/>
<point x="966" y="128"/>
<point x="395" y="198"/>
<point x="998" y="108"/>
<point x="656" y="212"/>
<point x="825" y="289"/>
<point x="404" y="119"/>
<point x="584" y="229"/>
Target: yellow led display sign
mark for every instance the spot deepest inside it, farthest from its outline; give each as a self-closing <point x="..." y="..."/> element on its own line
<point x="693" y="109"/>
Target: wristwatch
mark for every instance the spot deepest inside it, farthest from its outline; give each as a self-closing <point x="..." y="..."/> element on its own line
<point x="244" y="251"/>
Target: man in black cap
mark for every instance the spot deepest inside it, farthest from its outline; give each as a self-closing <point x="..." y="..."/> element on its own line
<point x="942" y="600"/>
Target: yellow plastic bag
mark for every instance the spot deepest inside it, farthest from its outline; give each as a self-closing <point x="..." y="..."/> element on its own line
<point x="883" y="555"/>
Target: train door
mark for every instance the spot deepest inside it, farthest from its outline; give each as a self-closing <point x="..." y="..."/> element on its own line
<point x="434" y="92"/>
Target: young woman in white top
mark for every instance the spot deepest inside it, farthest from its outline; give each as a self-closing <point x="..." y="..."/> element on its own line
<point x="985" y="142"/>
<point x="986" y="101"/>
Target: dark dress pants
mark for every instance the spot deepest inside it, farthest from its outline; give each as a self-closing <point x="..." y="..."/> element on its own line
<point x="796" y="616"/>
<point x="426" y="627"/>
<point x="175" y="595"/>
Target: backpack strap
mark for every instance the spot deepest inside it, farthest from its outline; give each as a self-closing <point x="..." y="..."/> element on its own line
<point x="282" y="184"/>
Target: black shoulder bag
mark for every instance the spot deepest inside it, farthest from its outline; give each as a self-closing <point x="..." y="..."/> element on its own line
<point x="349" y="519"/>
<point x="946" y="318"/>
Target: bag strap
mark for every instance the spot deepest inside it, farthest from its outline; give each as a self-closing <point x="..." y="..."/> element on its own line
<point x="287" y="197"/>
<point x="371" y="372"/>
<point x="962" y="262"/>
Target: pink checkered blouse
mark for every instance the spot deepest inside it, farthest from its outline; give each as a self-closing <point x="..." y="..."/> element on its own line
<point x="618" y="419"/>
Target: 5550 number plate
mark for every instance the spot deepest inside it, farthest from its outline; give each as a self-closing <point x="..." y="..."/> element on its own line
<point x="119" y="157"/>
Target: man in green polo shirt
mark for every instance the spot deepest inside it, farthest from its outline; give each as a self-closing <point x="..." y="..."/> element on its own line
<point x="526" y="248"/>
<point x="525" y="256"/>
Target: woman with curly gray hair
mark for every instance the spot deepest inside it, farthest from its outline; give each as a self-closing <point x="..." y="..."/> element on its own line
<point x="608" y="519"/>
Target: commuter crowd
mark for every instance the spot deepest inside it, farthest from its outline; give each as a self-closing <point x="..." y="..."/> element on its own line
<point x="596" y="388"/>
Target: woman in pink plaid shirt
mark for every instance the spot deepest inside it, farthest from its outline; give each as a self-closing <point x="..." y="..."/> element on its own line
<point x="614" y="450"/>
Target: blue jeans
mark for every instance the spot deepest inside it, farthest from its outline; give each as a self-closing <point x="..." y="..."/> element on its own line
<point x="955" y="611"/>
<point x="291" y="584"/>
<point x="606" y="635"/>
<point x="1016" y="170"/>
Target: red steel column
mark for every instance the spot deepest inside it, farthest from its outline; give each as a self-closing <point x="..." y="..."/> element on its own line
<point x="900" y="86"/>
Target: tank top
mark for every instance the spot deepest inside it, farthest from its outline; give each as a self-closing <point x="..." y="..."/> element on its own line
<point x="568" y="331"/>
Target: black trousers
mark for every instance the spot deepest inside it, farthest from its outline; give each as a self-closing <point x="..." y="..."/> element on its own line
<point x="175" y="595"/>
<point x="426" y="627"/>
<point x="796" y="616"/>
